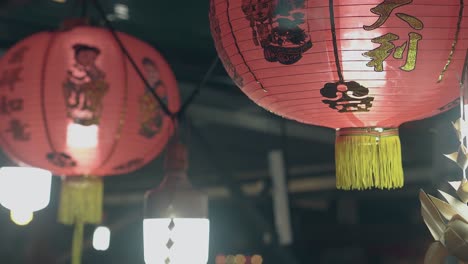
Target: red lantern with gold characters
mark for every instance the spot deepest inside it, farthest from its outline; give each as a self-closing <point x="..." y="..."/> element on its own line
<point x="72" y="103"/>
<point x="360" y="67"/>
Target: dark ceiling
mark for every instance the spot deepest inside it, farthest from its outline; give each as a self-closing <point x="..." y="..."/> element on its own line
<point x="229" y="146"/>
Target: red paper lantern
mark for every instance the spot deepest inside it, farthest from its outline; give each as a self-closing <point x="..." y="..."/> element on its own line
<point x="72" y="103"/>
<point x="361" y="67"/>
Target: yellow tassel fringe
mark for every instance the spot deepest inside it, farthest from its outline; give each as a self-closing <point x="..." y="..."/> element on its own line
<point x="80" y="204"/>
<point x="81" y="200"/>
<point x="368" y="158"/>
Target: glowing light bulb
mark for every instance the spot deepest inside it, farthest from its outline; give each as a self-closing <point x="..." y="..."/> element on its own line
<point x="101" y="238"/>
<point x="21" y="217"/>
<point x="82" y="137"/>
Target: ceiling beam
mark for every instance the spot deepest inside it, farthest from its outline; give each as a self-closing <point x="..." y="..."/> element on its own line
<point x="256" y="120"/>
<point x="259" y="123"/>
<point x="295" y="186"/>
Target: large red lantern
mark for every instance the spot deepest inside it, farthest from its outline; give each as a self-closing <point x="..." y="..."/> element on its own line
<point x="72" y="103"/>
<point x="361" y="67"/>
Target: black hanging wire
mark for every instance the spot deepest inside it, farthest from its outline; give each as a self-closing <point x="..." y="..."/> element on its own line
<point x="84" y="8"/>
<point x="132" y="61"/>
<point x="202" y="84"/>
<point x="164" y="107"/>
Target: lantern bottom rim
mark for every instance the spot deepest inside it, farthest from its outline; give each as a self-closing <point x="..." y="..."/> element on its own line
<point x="367" y="131"/>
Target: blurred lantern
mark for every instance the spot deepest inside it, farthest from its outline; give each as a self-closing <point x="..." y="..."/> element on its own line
<point x="448" y="221"/>
<point x="73" y="104"/>
<point x="24" y="191"/>
<point x="461" y="125"/>
<point x="101" y="238"/>
<point x="238" y="259"/>
<point x="176" y="228"/>
<point x="362" y="68"/>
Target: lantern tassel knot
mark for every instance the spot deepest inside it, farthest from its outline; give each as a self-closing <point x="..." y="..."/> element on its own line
<point x="368" y="158"/>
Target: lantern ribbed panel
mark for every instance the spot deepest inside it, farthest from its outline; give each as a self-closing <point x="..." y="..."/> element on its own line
<point x="41" y="127"/>
<point x="284" y="70"/>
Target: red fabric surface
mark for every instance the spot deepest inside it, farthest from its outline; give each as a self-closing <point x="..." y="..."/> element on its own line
<point x="281" y="54"/>
<point x="80" y="76"/>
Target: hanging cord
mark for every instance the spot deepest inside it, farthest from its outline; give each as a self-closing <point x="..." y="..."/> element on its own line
<point x="164" y="107"/>
<point x="84" y="8"/>
<point x="132" y="61"/>
<point x="202" y="84"/>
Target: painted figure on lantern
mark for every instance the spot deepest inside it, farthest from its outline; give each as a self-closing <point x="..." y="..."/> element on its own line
<point x="85" y="86"/>
<point x="260" y="13"/>
<point x="276" y="28"/>
<point x="387" y="45"/>
<point x="151" y="114"/>
<point x="347" y="97"/>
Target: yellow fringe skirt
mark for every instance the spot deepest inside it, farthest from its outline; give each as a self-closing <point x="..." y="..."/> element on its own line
<point x="368" y="158"/>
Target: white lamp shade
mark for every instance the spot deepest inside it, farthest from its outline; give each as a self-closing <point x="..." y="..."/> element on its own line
<point x="24" y="190"/>
<point x="180" y="240"/>
<point x="101" y="238"/>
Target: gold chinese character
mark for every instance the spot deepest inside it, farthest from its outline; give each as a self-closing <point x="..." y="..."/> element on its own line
<point x="412" y="52"/>
<point x="380" y="54"/>
<point x="411" y="20"/>
<point x="385" y="9"/>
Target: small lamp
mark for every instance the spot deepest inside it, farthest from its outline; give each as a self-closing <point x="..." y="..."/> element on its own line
<point x="24" y="190"/>
<point x="101" y="238"/>
<point x="176" y="228"/>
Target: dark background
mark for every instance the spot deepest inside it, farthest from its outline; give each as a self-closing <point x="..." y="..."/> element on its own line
<point x="229" y="146"/>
